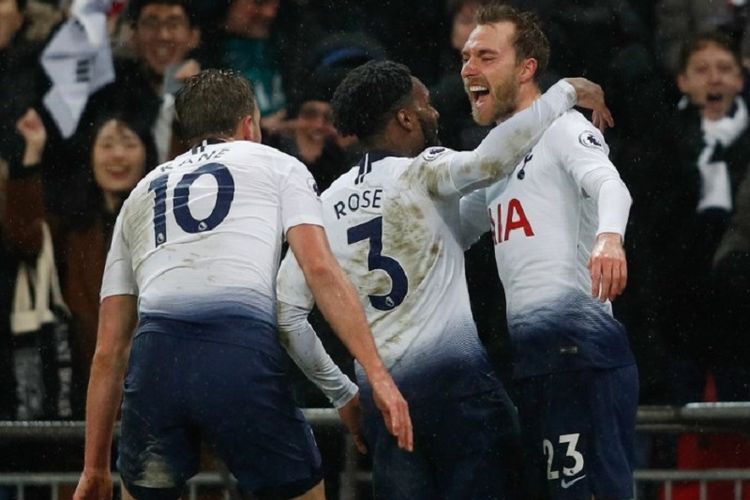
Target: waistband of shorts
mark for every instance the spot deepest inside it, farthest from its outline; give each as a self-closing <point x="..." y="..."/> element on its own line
<point x="253" y="333"/>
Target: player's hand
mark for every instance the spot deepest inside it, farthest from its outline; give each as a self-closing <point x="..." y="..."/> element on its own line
<point x="32" y="130"/>
<point x="591" y="96"/>
<point x="609" y="269"/>
<point x="94" y="485"/>
<point x="351" y="416"/>
<point x="395" y="410"/>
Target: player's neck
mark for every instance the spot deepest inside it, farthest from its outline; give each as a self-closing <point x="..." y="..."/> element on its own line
<point x="527" y="96"/>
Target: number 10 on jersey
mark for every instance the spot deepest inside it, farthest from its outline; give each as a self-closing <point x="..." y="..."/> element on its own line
<point x="181" y="200"/>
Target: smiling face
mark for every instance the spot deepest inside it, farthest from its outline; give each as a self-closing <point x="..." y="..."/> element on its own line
<point x="118" y="159"/>
<point x="163" y="36"/>
<point x="491" y="72"/>
<point x="711" y="79"/>
<point x="315" y="122"/>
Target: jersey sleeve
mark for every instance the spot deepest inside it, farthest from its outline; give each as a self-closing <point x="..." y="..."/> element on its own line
<point x="291" y="286"/>
<point x="475" y="220"/>
<point x="453" y="172"/>
<point x="584" y="155"/>
<point x="119" y="278"/>
<point x="580" y="148"/>
<point x="300" y="203"/>
<point x="295" y="300"/>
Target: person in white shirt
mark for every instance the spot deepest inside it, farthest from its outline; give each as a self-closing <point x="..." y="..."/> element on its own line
<point x="193" y="263"/>
<point x="558" y="222"/>
<point x="393" y="223"/>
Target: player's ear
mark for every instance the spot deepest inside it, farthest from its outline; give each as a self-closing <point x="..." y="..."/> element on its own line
<point x="248" y="130"/>
<point x="405" y="119"/>
<point x="529" y="68"/>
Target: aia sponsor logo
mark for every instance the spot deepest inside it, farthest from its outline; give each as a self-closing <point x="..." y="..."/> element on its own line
<point x="507" y="219"/>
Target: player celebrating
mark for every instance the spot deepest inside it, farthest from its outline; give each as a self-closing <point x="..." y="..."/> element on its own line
<point x="558" y="223"/>
<point x="194" y="259"/>
<point x="393" y="223"/>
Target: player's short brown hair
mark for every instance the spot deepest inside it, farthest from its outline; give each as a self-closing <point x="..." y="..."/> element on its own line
<point x="530" y="41"/>
<point x="212" y="103"/>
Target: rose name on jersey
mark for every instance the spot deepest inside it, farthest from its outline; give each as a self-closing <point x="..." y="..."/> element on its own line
<point x="515" y="220"/>
<point x="369" y="198"/>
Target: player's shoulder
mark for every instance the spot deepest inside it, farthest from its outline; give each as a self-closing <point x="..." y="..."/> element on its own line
<point x="344" y="180"/>
<point x="573" y="129"/>
<point x="248" y="150"/>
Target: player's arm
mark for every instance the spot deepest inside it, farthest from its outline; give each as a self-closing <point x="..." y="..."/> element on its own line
<point x="117" y="320"/>
<point x="338" y="301"/>
<point x="583" y="154"/>
<point x="508" y="142"/>
<point x="607" y="264"/>
<point x="306" y="350"/>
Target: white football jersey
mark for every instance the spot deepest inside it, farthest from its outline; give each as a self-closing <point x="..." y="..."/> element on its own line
<point x="394" y="225"/>
<point x="544" y="223"/>
<point x="398" y="245"/>
<point x="200" y="236"/>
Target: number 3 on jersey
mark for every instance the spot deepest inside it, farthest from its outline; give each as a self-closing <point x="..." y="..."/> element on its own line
<point x="181" y="199"/>
<point x="373" y="230"/>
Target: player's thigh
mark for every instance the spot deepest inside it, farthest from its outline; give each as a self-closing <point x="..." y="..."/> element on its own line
<point x="578" y="432"/>
<point x="157" y="450"/>
<point x="476" y="447"/>
<point x="248" y="414"/>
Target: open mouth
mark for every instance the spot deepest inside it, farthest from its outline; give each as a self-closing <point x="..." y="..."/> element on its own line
<point x="713" y="97"/>
<point x="478" y="93"/>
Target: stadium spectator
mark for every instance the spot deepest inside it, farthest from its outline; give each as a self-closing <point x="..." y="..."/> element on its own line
<point x="558" y="223"/>
<point x="708" y="160"/>
<point x="164" y="36"/>
<point x="267" y="41"/>
<point x="24" y="29"/>
<point x="216" y="319"/>
<point x="121" y="149"/>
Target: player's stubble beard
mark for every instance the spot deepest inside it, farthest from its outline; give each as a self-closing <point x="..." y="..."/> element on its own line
<point x="505" y="97"/>
<point x="429" y="131"/>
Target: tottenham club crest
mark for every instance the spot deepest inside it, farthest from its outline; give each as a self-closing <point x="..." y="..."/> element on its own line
<point x="590" y="140"/>
<point x="432" y="153"/>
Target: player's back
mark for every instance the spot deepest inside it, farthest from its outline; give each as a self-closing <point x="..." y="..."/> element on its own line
<point x="398" y="244"/>
<point x="205" y="231"/>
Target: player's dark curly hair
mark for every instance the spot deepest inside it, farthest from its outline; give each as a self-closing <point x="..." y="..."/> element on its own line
<point x="366" y="98"/>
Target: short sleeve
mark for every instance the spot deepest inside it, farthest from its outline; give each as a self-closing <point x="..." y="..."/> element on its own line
<point x="300" y="203"/>
<point x="119" y="278"/>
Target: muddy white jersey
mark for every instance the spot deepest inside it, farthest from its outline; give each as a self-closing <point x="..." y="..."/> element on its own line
<point x="394" y="226"/>
<point x="200" y="236"/>
<point x="398" y="245"/>
<point x="544" y="219"/>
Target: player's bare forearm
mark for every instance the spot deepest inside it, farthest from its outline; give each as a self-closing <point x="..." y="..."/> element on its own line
<point x="117" y="319"/>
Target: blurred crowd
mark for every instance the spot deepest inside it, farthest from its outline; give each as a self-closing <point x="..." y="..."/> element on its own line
<point x="674" y="73"/>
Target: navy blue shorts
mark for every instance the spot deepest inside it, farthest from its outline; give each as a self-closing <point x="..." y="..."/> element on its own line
<point x="464" y="449"/>
<point x="183" y="388"/>
<point x="578" y="429"/>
